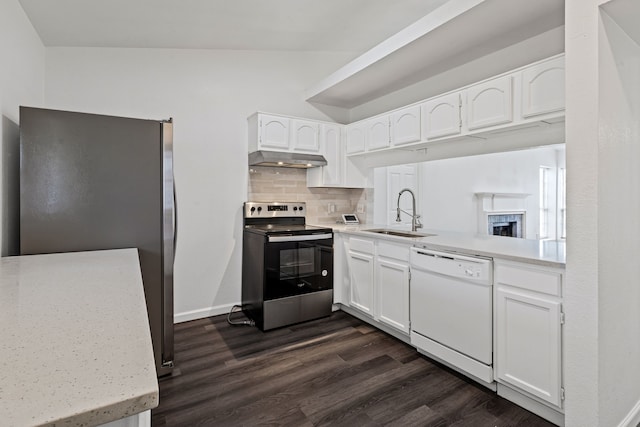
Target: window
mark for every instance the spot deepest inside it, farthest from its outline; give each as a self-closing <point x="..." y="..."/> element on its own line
<point x="562" y="203"/>
<point x="553" y="215"/>
<point x="544" y="176"/>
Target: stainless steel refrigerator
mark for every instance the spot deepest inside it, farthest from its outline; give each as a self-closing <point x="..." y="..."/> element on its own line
<point x="91" y="182"/>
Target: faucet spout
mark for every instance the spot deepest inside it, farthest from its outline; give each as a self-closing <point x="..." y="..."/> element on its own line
<point x="415" y="223"/>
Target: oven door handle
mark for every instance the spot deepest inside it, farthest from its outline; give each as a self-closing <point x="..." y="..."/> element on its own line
<point x="300" y="238"/>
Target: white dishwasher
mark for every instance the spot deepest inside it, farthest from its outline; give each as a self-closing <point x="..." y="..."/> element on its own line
<point x="451" y="310"/>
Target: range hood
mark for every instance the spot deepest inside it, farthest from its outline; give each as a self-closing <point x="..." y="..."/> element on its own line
<point x="286" y="160"/>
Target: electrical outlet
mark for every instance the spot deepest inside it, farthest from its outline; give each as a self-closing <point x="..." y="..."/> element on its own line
<point x="360" y="208"/>
<point x="331" y="208"/>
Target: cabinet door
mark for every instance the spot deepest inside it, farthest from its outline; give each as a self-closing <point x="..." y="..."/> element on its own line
<point x="392" y="286"/>
<point x="528" y="343"/>
<point x="378" y="133"/>
<point x="441" y="116"/>
<point x="305" y="136"/>
<point x="356" y="138"/>
<point x="543" y="88"/>
<point x="490" y="103"/>
<point x="361" y="273"/>
<point x="332" y="174"/>
<point x="405" y="126"/>
<point x="332" y="150"/>
<point x="274" y="132"/>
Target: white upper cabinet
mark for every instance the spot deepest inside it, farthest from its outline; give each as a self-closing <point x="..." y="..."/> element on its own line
<point x="332" y="174"/>
<point x="281" y="133"/>
<point x="543" y="88"/>
<point x="356" y="138"/>
<point x="490" y="103"/>
<point x="441" y="116"/>
<point x="273" y="132"/>
<point x="378" y="134"/>
<point x="405" y="126"/>
<point x="305" y="136"/>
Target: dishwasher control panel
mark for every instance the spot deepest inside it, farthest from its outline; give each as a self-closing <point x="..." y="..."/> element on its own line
<point x="454" y="265"/>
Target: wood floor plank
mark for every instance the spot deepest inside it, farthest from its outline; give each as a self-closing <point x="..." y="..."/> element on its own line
<point x="337" y="371"/>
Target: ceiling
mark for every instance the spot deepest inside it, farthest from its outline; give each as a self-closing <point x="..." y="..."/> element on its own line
<point x="299" y="25"/>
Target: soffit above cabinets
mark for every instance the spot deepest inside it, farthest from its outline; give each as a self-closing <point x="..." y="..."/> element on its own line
<point x="458" y="32"/>
<point x="625" y="13"/>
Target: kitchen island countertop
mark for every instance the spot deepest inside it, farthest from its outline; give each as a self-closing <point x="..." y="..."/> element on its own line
<point x="76" y="339"/>
<point x="551" y="253"/>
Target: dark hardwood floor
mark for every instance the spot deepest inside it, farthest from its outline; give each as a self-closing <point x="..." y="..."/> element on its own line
<point x="336" y="371"/>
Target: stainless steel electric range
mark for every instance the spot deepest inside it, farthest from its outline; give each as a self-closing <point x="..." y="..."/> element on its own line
<point x="287" y="265"/>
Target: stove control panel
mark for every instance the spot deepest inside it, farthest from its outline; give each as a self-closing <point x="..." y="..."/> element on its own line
<point x="274" y="209"/>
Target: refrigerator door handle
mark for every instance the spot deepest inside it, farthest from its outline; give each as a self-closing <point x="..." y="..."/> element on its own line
<point x="169" y="231"/>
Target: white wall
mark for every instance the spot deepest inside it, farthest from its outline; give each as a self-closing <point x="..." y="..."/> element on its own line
<point x="602" y="298"/>
<point x="209" y="94"/>
<point x="581" y="374"/>
<point x="619" y="198"/>
<point x="447" y="187"/>
<point x="21" y="82"/>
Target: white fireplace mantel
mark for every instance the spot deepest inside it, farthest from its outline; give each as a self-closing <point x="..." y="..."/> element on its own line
<point x="490" y="202"/>
<point x="501" y="204"/>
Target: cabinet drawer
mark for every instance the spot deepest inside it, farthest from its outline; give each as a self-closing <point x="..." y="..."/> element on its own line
<point x="389" y="250"/>
<point x="361" y="245"/>
<point x="531" y="278"/>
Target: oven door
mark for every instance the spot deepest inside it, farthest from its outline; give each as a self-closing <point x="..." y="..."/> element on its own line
<point x="298" y="264"/>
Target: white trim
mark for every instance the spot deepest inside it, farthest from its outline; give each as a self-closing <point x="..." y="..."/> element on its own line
<point x="632" y="419"/>
<point x="202" y="313"/>
<point x="478" y="370"/>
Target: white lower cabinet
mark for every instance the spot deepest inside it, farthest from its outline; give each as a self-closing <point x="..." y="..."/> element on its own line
<point x="379" y="281"/>
<point x="392" y="285"/>
<point x="528" y="323"/>
<point x="527" y="315"/>
<point x="361" y="273"/>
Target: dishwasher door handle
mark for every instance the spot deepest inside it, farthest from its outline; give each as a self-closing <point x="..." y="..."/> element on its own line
<point x="426" y="253"/>
<point x="435" y="255"/>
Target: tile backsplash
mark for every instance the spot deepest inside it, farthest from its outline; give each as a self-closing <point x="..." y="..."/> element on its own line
<point x="272" y="184"/>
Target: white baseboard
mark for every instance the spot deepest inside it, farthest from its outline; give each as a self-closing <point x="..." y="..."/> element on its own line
<point x="202" y="313"/>
<point x="632" y="419"/>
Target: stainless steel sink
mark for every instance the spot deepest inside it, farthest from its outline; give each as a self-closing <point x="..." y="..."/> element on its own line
<point x="410" y="234"/>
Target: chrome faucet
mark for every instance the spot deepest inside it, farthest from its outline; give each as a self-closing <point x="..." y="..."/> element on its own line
<point x="415" y="218"/>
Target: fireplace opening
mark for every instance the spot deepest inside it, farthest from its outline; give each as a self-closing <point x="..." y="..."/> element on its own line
<point x="506" y="224"/>
<point x="509" y="229"/>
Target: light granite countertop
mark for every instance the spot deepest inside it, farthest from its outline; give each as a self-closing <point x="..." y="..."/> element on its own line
<point x="75" y="337"/>
<point x="551" y="253"/>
